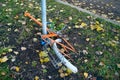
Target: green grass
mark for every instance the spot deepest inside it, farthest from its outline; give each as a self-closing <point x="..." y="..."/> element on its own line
<point x="5" y="70"/>
<point x="59" y="14"/>
<point x="102" y="41"/>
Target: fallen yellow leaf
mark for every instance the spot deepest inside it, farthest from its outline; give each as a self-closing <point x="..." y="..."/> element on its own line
<point x="87" y="39"/>
<point x="66" y="74"/>
<point x="43" y="57"/>
<point x="46" y="59"/>
<point x="3" y="73"/>
<point x="98" y="28"/>
<point x="17" y="69"/>
<point x="16" y="17"/>
<point x="117" y="38"/>
<point x="43" y="54"/>
<point x="112" y="43"/>
<point x="59" y="64"/>
<point x="23" y="48"/>
<point x="85" y="74"/>
<point x="94" y="11"/>
<point x="83" y="24"/>
<point x="68" y="71"/>
<point x="92" y="27"/>
<point x="97" y="22"/>
<point x="62" y="75"/>
<point x="4" y="59"/>
<point x="118" y="65"/>
<point x="76" y="26"/>
<point x="70" y="18"/>
<point x="10" y="50"/>
<point x="41" y="60"/>
<point x="36" y="78"/>
<point x="60" y="71"/>
<point x="64" y="71"/>
<point x="26" y="62"/>
<point x="101" y="64"/>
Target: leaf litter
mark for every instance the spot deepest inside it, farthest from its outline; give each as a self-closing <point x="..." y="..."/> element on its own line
<point x="89" y="33"/>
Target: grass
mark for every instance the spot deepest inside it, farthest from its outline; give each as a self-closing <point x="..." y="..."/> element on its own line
<point x="107" y="42"/>
<point x="5" y="72"/>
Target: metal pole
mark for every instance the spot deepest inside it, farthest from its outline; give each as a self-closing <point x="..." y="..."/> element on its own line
<point x="44" y="19"/>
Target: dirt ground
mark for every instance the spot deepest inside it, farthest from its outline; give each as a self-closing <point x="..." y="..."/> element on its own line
<point x="97" y="49"/>
<point x="106" y="8"/>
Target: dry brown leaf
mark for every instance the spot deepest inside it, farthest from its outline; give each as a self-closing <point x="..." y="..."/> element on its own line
<point x="101" y="64"/>
<point x="62" y="75"/>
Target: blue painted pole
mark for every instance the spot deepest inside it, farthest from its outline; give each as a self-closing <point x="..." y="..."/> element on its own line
<point x="44" y="19"/>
